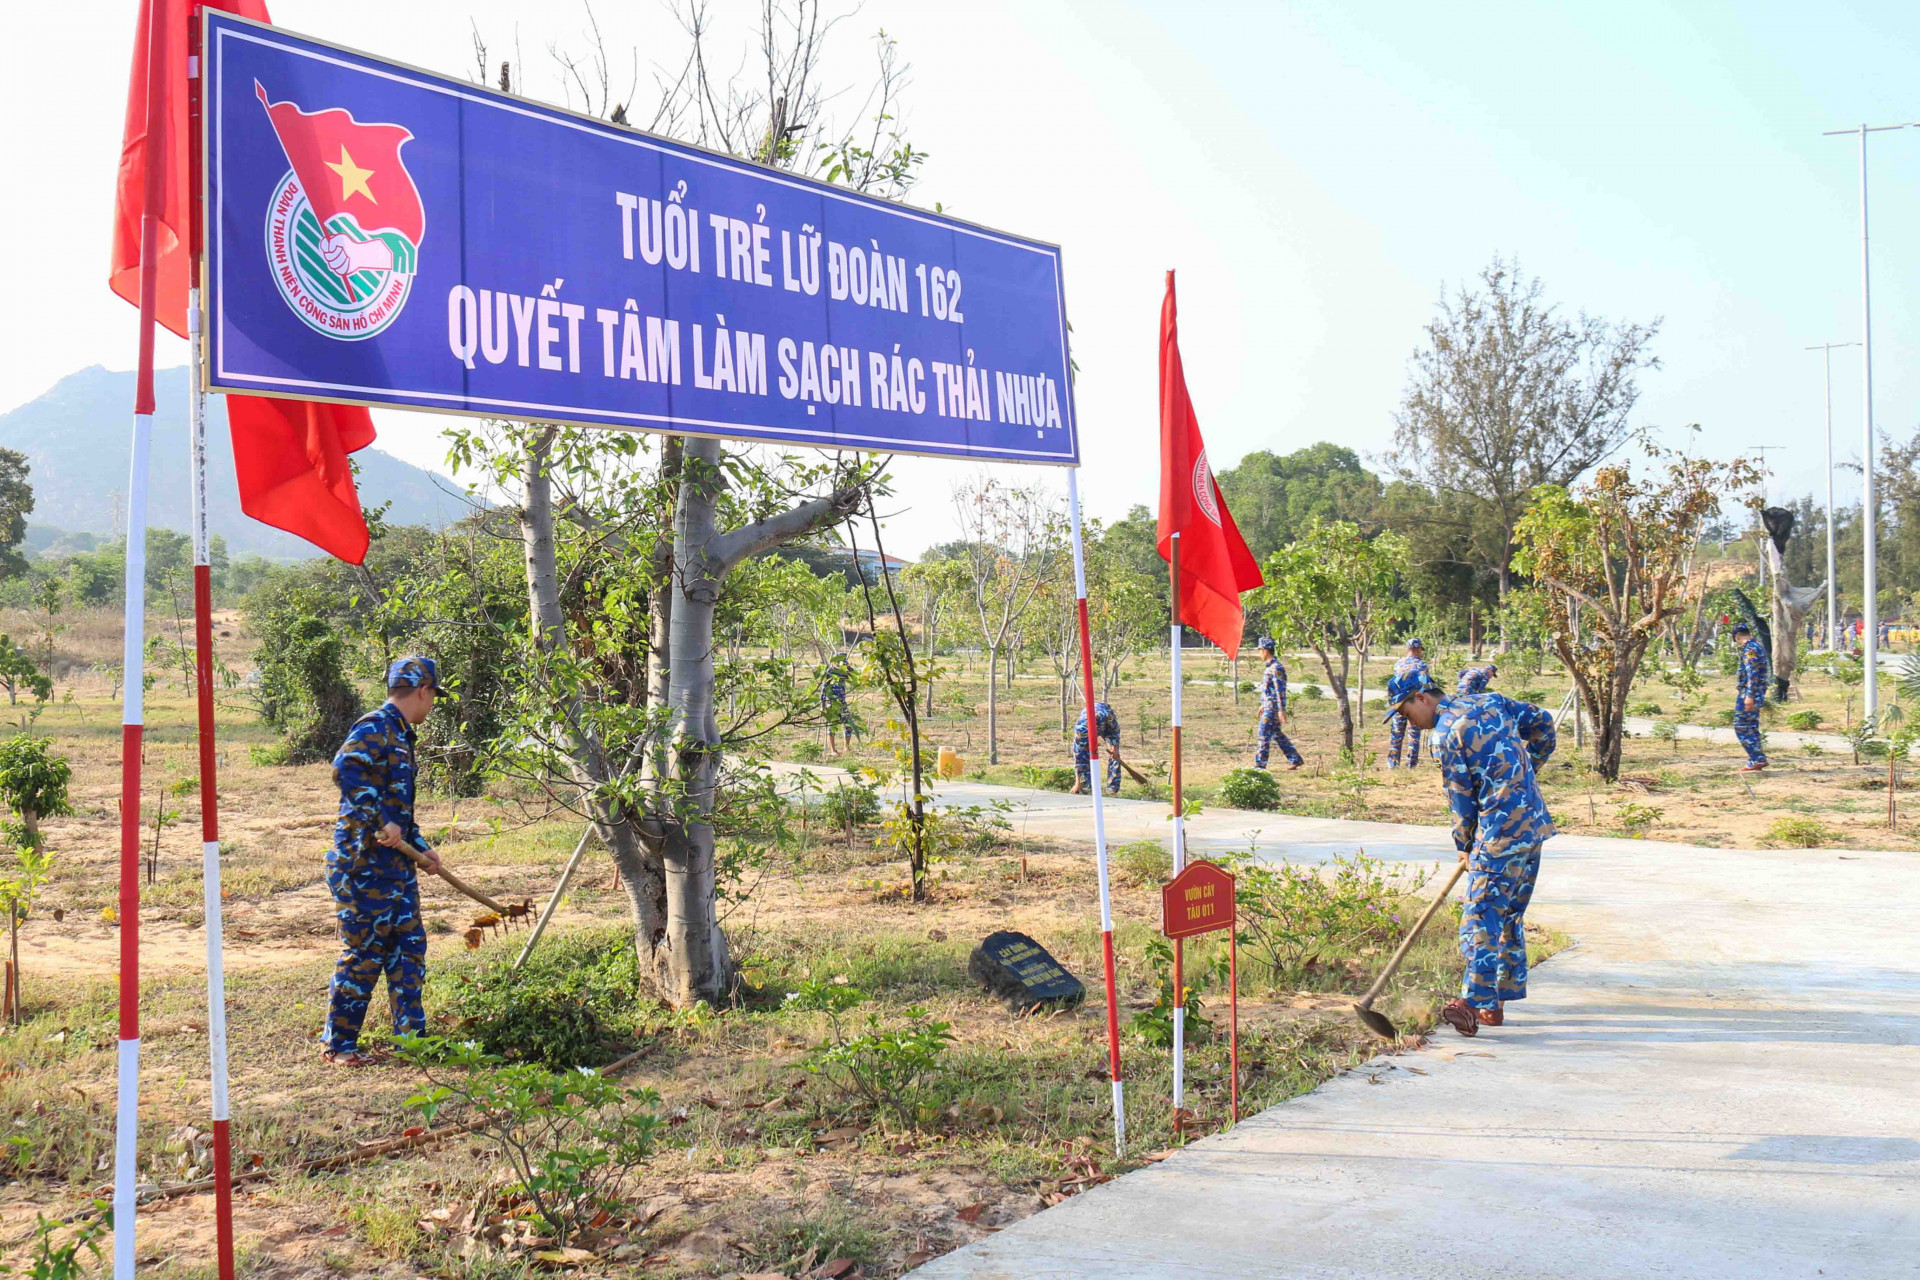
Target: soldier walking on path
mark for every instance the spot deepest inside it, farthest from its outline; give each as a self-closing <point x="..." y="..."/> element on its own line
<point x="1488" y="747"/>
<point x="1414" y="663"/>
<point x="376" y="892"/>
<point x="834" y="678"/>
<point x="1476" y="679"/>
<point x="1083" y="757"/>
<point x="1273" y="710"/>
<point x="1750" y="691"/>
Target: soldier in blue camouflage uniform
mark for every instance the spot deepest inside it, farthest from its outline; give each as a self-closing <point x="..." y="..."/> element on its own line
<point x="1273" y="710"/>
<point x="1414" y="663"/>
<point x="1750" y="693"/>
<point x="834" y="678"/>
<point x="1476" y="679"/>
<point x="375" y="892"/>
<point x="1488" y="747"/>
<point x="1083" y="758"/>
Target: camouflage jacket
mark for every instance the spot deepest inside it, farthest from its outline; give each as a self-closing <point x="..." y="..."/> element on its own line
<point x="1752" y="680"/>
<point x="1273" y="689"/>
<point x="1488" y="746"/>
<point x="1109" y="724"/>
<point x="374" y="771"/>
<point x="1474" y="679"/>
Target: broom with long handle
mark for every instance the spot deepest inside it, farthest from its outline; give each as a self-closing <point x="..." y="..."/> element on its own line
<point x="1370" y="1017"/>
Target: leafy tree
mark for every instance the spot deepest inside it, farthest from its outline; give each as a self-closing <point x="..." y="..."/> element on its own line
<point x="169" y="559"/>
<point x="1275" y="498"/>
<point x="33" y="785"/>
<point x="16" y="503"/>
<point x="1012" y="537"/>
<point x="19" y="671"/>
<point x="1332" y="591"/>
<point x="1507" y="395"/>
<point x="305" y="690"/>
<point x="1613" y="559"/>
<point x="96" y="578"/>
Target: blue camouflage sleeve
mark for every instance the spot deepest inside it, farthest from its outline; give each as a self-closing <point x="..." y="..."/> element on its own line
<point x="1462" y="799"/>
<point x="357" y="771"/>
<point x="1536" y="729"/>
<point x="396" y="805"/>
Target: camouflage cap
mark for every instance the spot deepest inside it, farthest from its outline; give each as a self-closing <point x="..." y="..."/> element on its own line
<point x="1415" y="643"/>
<point x="1264" y="642"/>
<point x="412" y="672"/>
<point x="1402" y="687"/>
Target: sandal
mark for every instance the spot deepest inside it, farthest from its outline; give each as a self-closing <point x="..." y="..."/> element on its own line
<point x="1492" y="1017"/>
<point x="1461" y="1017"/>
<point x="346" y="1058"/>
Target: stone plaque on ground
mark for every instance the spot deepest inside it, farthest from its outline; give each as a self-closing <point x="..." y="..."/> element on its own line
<point x="1023" y="973"/>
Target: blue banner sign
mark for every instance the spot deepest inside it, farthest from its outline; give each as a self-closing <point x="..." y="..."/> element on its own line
<point x="382" y="235"/>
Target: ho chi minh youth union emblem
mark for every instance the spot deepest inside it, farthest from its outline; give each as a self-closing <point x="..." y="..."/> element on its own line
<point x="344" y="224"/>
<point x="1203" y="490"/>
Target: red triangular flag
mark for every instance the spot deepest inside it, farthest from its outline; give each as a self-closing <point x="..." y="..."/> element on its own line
<point x="294" y="451"/>
<point x="1215" y="564"/>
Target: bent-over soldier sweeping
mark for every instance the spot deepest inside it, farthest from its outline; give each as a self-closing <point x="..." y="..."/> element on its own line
<point x="1487" y="746"/>
<point x="376" y="891"/>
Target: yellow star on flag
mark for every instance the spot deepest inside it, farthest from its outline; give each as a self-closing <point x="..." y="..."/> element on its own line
<point x="352" y="177"/>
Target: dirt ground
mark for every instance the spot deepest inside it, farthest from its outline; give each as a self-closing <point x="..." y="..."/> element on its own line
<point x="765" y="1170"/>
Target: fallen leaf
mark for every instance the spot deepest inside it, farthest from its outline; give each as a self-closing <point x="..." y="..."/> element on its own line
<point x="1417" y="1071"/>
<point x="413" y="1131"/>
<point x="59" y="914"/>
<point x="567" y="1257"/>
<point x="918" y="1257"/>
<point x="833" y="1268"/>
<point x="338" y="1230"/>
<point x="971" y="1213"/>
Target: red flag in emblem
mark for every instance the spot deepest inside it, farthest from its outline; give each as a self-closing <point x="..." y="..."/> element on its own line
<point x="1215" y="564"/>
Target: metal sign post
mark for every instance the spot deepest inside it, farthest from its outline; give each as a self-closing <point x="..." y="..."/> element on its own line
<point x="1200" y="900"/>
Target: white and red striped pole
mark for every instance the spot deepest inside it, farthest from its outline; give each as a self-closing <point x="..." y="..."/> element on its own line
<point x="203" y="682"/>
<point x="1099" y="820"/>
<point x="126" y="1144"/>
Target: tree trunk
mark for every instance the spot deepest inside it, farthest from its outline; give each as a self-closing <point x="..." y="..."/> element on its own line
<point x="660" y="574"/>
<point x="993" y="707"/>
<point x="931" y="623"/>
<point x="1337" y="683"/>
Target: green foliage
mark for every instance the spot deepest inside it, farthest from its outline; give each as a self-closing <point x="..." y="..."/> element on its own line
<point x="304" y="690"/>
<point x="1292" y="916"/>
<point x="1146" y="863"/>
<point x="572" y="1138"/>
<point x="62" y="1261"/>
<point x="892" y="1070"/>
<point x="1666" y="731"/>
<point x="33" y="784"/>
<point x="1799" y="832"/>
<point x="1047" y="777"/>
<point x="789" y="1243"/>
<point x="1635" y="819"/>
<point x="807" y="751"/>
<point x="1154" y="1025"/>
<point x="1250" y="789"/>
<point x="850" y="805"/>
<point x="16" y="502"/>
<point x="569" y="1006"/>
<point x="1276" y="498"/>
<point x="1311" y="692"/>
<point x="1805" y="721"/>
<point x="19" y="674"/>
<point x="1646" y="709"/>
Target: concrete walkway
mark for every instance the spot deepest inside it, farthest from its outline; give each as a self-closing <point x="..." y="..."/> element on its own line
<point x="1718" y="1079"/>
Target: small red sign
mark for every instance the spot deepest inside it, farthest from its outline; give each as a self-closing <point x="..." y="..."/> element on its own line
<point x="1198" y="900"/>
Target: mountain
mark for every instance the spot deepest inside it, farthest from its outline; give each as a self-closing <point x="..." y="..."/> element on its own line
<point x="76" y="437"/>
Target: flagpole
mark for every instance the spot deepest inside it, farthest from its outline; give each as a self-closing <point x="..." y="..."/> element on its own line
<point x="1179" y="846"/>
<point x="203" y="681"/>
<point x="1099" y="820"/>
<point x="126" y="1137"/>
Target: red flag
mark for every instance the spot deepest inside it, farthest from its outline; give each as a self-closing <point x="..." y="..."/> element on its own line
<point x="349" y="169"/>
<point x="281" y="438"/>
<point x="1215" y="564"/>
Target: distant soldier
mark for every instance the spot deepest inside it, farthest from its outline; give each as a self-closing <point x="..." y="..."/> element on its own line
<point x="1476" y="679"/>
<point x="1273" y="709"/>
<point x="1750" y="691"/>
<point x="1109" y="724"/>
<point x="376" y="893"/>
<point x="1488" y="748"/>
<point x="1415" y="663"/>
<point x="834" y="679"/>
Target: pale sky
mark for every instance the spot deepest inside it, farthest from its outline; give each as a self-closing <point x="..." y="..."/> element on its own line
<point x="1316" y="172"/>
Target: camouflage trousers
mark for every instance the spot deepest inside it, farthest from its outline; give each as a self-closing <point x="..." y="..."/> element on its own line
<point x="1397" y="730"/>
<point x="1083" y="766"/>
<point x="1271" y="735"/>
<point x="839" y="717"/>
<point x="380" y="933"/>
<point x="1493" y="926"/>
<point x="1746" y="727"/>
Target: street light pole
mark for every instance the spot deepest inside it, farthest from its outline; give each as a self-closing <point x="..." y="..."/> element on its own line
<point x="1833" y="596"/>
<point x="1869" y="584"/>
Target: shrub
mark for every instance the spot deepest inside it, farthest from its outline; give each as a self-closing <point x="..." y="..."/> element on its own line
<point x="1311" y="692"/>
<point x="807" y="751"/>
<point x="568" y="1007"/>
<point x="572" y="1138"/>
<point x="1724" y="716"/>
<point x="1154" y="1025"/>
<point x="1144" y="862"/>
<point x="304" y="691"/>
<point x="1805" y="721"/>
<point x="1666" y="731"/>
<point x="891" y="1069"/>
<point x="1049" y="777"/>
<point x="1530" y="694"/>
<point x="1799" y="832"/>
<point x="1645" y="709"/>
<point x="1250" y="789"/>
<point x="1293" y="916"/>
<point x="851" y="805"/>
<point x="1245" y="686"/>
<point x="1634" y="819"/>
